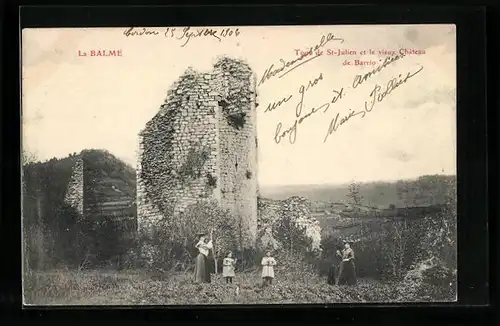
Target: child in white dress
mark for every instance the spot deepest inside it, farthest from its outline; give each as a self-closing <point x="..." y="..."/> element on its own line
<point x="268" y="264"/>
<point x="228" y="268"/>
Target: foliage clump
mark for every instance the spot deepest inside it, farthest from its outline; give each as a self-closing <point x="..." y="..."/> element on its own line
<point x="193" y="165"/>
<point x="237" y="120"/>
<point x="418" y="252"/>
<point x="170" y="243"/>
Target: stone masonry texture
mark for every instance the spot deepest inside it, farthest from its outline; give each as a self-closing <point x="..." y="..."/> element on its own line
<point x="74" y="192"/>
<point x="297" y="209"/>
<point x="201" y="145"/>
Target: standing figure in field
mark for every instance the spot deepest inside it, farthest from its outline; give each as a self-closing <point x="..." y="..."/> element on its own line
<point x="201" y="269"/>
<point x="268" y="264"/>
<point x="333" y="269"/>
<point x="228" y="268"/>
<point x="347" y="273"/>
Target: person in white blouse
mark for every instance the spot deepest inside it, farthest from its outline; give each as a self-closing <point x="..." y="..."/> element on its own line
<point x="347" y="272"/>
<point x="268" y="264"/>
<point x="201" y="269"/>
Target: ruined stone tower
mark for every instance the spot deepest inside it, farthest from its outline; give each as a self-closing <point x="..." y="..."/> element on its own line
<point x="202" y="144"/>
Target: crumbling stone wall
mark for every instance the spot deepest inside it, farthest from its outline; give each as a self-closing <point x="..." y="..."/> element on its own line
<point x="237" y="145"/>
<point x="273" y="212"/>
<point x="201" y="146"/>
<point x="74" y="193"/>
<point x="147" y="210"/>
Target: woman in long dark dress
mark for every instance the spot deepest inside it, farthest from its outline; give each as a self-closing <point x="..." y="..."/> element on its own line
<point x="333" y="269"/>
<point x="347" y="273"/>
<point x="331" y="274"/>
<point x="201" y="268"/>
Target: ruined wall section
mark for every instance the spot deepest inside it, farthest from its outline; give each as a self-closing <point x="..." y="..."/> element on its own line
<point x="297" y="209"/>
<point x="147" y="210"/>
<point x="234" y="81"/>
<point x="178" y="150"/>
<point x="75" y="190"/>
<point x="201" y="145"/>
<point x="269" y="214"/>
<point x="195" y="147"/>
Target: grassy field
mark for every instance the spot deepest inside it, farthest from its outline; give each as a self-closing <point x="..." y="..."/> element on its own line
<point x="66" y="287"/>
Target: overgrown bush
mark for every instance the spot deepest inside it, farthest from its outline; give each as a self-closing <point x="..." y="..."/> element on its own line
<point x="389" y="249"/>
<point x="429" y="280"/>
<point x="171" y="239"/>
<point x="35" y="247"/>
<point x="292" y="237"/>
<point x="397" y="250"/>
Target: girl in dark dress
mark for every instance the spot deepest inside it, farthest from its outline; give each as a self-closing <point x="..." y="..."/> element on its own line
<point x="347" y="273"/>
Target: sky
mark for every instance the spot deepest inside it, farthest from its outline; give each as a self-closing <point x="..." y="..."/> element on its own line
<point x="71" y="103"/>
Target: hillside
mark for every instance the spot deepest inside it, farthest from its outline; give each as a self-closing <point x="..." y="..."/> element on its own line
<point x="426" y="190"/>
<point x="102" y="184"/>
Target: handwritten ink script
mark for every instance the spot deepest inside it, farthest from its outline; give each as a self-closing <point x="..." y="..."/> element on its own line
<point x="292" y="131"/>
<point x="185" y="35"/>
<point x="286" y="67"/>
<point x="378" y="93"/>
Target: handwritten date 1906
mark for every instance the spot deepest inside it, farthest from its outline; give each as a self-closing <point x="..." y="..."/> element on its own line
<point x="185" y="34"/>
<point x="377" y="95"/>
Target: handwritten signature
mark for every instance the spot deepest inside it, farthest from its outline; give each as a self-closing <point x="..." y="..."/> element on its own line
<point x="288" y="66"/>
<point x="377" y="95"/>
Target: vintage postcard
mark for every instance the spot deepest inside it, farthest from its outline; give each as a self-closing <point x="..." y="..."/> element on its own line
<point x="239" y="165"/>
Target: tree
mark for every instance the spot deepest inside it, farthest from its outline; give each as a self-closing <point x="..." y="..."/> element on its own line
<point x="32" y="219"/>
<point x="397" y="237"/>
<point x="354" y="194"/>
<point x="169" y="242"/>
<point x="356" y="199"/>
<point x="28" y="157"/>
<point x="207" y="216"/>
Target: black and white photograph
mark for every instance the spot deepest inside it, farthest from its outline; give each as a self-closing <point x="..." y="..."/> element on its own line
<point x="239" y="165"/>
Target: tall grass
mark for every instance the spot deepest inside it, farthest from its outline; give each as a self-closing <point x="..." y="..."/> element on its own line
<point x="67" y="287"/>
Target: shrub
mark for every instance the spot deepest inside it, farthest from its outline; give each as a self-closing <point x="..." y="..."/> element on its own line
<point x="237" y="120"/>
<point x="196" y="158"/>
<point x="211" y="180"/>
<point x="428" y="280"/>
<point x="169" y="244"/>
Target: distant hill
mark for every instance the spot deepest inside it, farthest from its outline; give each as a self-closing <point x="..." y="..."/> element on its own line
<point x="110" y="171"/>
<point x="108" y="176"/>
<point x="61" y="195"/>
<point x="426" y="190"/>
